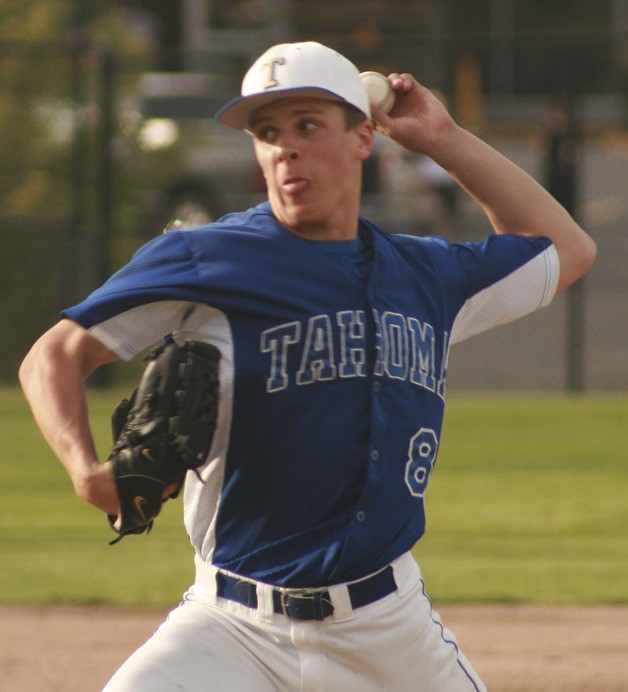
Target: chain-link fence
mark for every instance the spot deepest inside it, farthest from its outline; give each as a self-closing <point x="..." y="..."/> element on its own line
<point x="53" y="184"/>
<point x="77" y="195"/>
<point x="537" y="351"/>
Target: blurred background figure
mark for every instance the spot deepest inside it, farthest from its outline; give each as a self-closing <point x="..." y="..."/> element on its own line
<point x="446" y="191"/>
<point x="560" y="148"/>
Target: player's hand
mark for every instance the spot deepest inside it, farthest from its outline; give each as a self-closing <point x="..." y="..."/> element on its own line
<point x="418" y="121"/>
<point x="96" y="486"/>
<point x="99" y="489"/>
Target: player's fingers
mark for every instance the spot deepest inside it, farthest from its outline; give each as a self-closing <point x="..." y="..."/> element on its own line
<point x="169" y="490"/>
<point x="402" y="82"/>
<point x="381" y="120"/>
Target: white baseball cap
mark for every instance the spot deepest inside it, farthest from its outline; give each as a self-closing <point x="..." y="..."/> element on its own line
<point x="306" y="69"/>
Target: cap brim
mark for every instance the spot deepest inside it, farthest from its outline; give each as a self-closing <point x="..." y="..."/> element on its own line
<point x="237" y="112"/>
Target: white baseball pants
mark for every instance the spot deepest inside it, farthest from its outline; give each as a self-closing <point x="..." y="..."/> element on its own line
<point x="213" y="644"/>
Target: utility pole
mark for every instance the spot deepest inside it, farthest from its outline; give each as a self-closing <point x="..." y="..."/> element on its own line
<point x="561" y="172"/>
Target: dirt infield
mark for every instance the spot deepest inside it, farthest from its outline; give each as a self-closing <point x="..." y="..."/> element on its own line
<point x="514" y="648"/>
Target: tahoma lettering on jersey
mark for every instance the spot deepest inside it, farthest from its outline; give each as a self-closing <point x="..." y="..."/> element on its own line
<point x="332" y="348"/>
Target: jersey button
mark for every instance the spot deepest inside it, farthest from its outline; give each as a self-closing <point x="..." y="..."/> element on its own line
<point x="377" y="386"/>
<point x="360" y="516"/>
<point x="375" y="455"/>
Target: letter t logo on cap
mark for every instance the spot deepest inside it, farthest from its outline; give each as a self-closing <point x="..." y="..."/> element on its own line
<point x="271" y="78"/>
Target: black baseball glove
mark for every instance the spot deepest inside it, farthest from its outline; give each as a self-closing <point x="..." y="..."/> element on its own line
<point x="165" y="429"/>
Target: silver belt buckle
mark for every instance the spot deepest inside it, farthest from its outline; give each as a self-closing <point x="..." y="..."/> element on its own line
<point x="320" y="607"/>
<point x="295" y="593"/>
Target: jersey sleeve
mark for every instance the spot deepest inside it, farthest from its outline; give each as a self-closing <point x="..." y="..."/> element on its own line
<point x="146" y="299"/>
<point x="508" y="276"/>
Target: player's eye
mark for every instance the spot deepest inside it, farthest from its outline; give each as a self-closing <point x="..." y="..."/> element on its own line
<point x="266" y="134"/>
<point x="308" y="125"/>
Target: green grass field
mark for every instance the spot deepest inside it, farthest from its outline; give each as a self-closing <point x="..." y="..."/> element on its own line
<point x="528" y="503"/>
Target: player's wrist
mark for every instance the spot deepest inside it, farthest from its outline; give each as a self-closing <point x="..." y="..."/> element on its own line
<point x="94" y="483"/>
<point x="444" y="143"/>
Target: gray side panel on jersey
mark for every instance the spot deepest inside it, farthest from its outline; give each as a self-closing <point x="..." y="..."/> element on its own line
<point x="201" y="498"/>
<point x="529" y="288"/>
<point x="130" y="332"/>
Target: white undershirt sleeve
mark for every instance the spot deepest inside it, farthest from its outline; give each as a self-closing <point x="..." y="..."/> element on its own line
<point x="525" y="290"/>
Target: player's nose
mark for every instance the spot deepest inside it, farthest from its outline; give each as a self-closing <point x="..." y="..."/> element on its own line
<point x="286" y="149"/>
<point x="288" y="155"/>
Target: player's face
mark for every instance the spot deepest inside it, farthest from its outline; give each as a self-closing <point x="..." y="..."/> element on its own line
<point x="312" y="165"/>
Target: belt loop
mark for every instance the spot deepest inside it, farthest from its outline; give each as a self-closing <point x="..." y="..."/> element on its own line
<point x="407" y="573"/>
<point x="205" y="583"/>
<point x="265" y="604"/>
<point x="340" y="599"/>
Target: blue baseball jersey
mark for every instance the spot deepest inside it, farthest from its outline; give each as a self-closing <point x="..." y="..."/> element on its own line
<point x="333" y="374"/>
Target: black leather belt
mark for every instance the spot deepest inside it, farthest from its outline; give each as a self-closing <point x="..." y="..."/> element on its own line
<point x="307" y="604"/>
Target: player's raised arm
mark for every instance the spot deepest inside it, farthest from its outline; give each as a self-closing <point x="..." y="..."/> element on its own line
<point x="513" y="201"/>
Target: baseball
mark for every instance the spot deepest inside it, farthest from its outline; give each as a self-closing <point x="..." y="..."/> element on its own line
<point x="378" y="90"/>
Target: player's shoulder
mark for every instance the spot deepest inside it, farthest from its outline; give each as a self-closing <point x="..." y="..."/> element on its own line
<point x="234" y="228"/>
<point x="253" y="220"/>
<point x="419" y="247"/>
<point x="483" y="261"/>
<point x="514" y="245"/>
<point x="257" y="216"/>
<point x="429" y="244"/>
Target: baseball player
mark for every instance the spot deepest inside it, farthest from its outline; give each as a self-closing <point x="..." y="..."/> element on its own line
<point x="334" y="339"/>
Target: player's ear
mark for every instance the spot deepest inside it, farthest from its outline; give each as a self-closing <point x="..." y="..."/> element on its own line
<point x="365" y="133"/>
